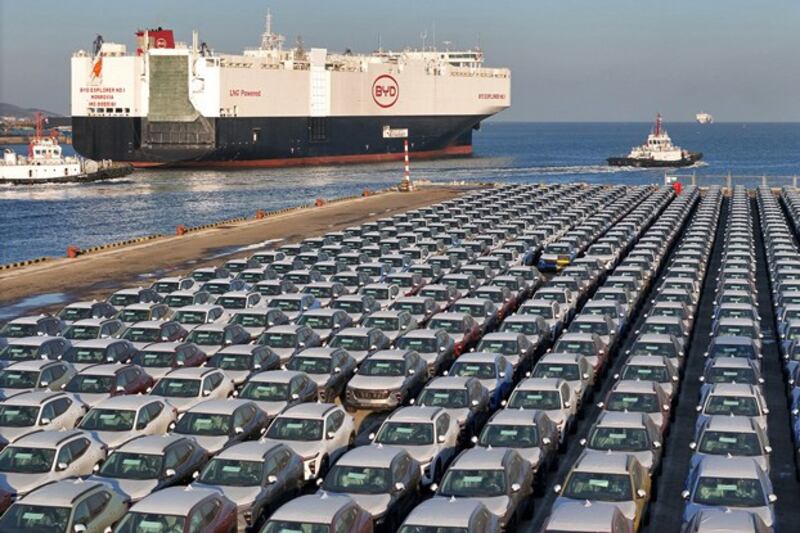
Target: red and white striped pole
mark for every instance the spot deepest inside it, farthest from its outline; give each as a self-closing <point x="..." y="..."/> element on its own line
<point x="407" y="172"/>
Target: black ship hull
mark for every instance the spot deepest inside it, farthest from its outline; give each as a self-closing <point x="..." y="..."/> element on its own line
<point x="688" y="160"/>
<point x="269" y="141"/>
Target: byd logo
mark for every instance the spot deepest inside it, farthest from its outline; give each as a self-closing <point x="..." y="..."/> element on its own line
<point x="385" y="91"/>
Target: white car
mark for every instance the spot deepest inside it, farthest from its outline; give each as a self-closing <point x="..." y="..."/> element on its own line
<point x="28" y="412"/>
<point x="184" y="388"/>
<point x="319" y="432"/>
<point x="117" y="420"/>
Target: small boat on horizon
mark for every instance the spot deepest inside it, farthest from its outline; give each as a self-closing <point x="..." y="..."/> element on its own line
<point x="658" y="151"/>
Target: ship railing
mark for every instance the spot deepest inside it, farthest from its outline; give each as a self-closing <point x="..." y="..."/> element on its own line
<point x="730" y="180"/>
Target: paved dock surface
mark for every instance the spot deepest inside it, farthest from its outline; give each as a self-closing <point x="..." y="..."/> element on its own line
<point x="96" y="274"/>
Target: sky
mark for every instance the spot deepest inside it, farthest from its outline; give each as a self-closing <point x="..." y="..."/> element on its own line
<point x="571" y="60"/>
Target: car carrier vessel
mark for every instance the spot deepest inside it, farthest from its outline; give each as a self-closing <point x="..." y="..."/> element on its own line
<point x="174" y="104"/>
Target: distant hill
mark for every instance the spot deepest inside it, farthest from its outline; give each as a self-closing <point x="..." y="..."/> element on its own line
<point x="11" y="110"/>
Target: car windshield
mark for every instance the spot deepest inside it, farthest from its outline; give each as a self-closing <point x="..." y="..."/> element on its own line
<point x="18" y="379"/>
<point x="415" y="308"/>
<point x="190" y="317"/>
<point x="263" y="391"/>
<point x="729" y="442"/>
<point x="21" y="460"/>
<point x="473" y="483"/>
<point x="232" y="472"/>
<point x="270" y="288"/>
<point x="121" y="300"/>
<point x="601" y="328"/>
<point x="134" y="315"/>
<point x="297" y="429"/>
<point x="81" y="333"/>
<point x="449" y="325"/>
<point x="204" y="424"/>
<point x="19" y="352"/>
<point x="382" y="367"/>
<point x="432" y="529"/>
<point x="283" y="526"/>
<point x="448" y="398"/>
<point x="359" y="343"/>
<point x="505" y="347"/>
<point x="473" y="310"/>
<point x="278" y="340"/>
<point x="733" y="350"/>
<point x="731" y="375"/>
<point x="298" y="277"/>
<point x="126" y="465"/>
<point x="732" y="405"/>
<point x="165" y="287"/>
<point x="633" y="402"/>
<point x="348" y="306"/>
<point x="593" y="486"/>
<point x="285" y="304"/>
<point x="206" y="337"/>
<point x="741" y="331"/>
<point x="544" y="311"/>
<point x="733" y="492"/>
<point x="134" y="522"/>
<point x="232" y="302"/>
<point x="405" y="433"/>
<point x="75" y="313"/>
<point x="13" y="329"/>
<point x="619" y="439"/>
<point x="175" y="301"/>
<point x="135" y="334"/>
<point x="511" y="436"/>
<point x="560" y="297"/>
<point x="653" y="348"/>
<point x="251" y="320"/>
<point x="177" y="388"/>
<point x="316" y="321"/>
<point x="22" y="518"/>
<point x="535" y="399"/>
<point x="310" y="365"/>
<point x="357" y="479"/>
<point x="108" y="420"/>
<point x="645" y="373"/>
<point x="216" y="288"/>
<point x="527" y="327"/>
<point x="319" y="291"/>
<point x="581" y="347"/>
<point x="85" y="355"/>
<point x="477" y="370"/>
<point x="18" y="416"/>
<point x="155" y="359"/>
<point x="662" y="329"/>
<point x="90" y="384"/>
<point x="437" y="294"/>
<point x="382" y="323"/>
<point x="418" y="344"/>
<point x="231" y="361"/>
<point x="565" y="371"/>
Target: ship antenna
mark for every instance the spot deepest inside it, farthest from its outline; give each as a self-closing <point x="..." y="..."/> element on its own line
<point x="658" y="123"/>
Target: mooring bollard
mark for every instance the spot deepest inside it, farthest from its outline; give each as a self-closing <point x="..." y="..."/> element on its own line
<point x="319" y="203"/>
<point x="73" y="251"/>
<point x="180" y="229"/>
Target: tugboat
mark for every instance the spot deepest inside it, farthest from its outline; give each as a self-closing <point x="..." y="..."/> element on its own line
<point x="45" y="163"/>
<point x="704" y="118"/>
<point x="658" y="151"/>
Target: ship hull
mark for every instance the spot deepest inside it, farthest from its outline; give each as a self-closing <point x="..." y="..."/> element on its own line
<point x="270" y="141"/>
<point x="690" y="159"/>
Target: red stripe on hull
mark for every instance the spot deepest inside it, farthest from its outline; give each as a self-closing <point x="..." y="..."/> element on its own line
<point x="311" y="161"/>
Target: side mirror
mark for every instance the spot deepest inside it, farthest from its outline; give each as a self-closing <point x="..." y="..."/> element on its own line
<point x="399" y="486"/>
<point x="169" y="472"/>
<point x="44" y="383"/>
<point x="692" y="445"/>
<point x="44" y="421"/>
<point x="568" y="404"/>
<point x="583" y="442"/>
<point x="441" y="439"/>
<point x="206" y="392"/>
<point x="515" y="487"/>
<point x="411" y="371"/>
<point x="61" y="466"/>
<point x="600" y="404"/>
<point x="79" y="528"/>
<point x="272" y="479"/>
<point x="474" y="439"/>
<point x="337" y="370"/>
<point x="195" y="474"/>
<point x="371" y="436"/>
<point x="685" y="494"/>
<point x="768" y="449"/>
<point x="295" y="396"/>
<point x="330" y="435"/>
<point x="772" y="498"/>
<point x="641" y="493"/>
<point x="238" y="430"/>
<point x="557" y="488"/>
<point x="656" y="444"/>
<point x="434" y="487"/>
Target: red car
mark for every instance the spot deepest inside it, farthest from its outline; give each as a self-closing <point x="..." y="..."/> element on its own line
<point x="461" y="326"/>
<point x="98" y="382"/>
<point x="186" y="509"/>
<point x="159" y="358"/>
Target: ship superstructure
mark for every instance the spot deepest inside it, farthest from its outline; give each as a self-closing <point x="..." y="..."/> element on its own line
<point x="171" y="103"/>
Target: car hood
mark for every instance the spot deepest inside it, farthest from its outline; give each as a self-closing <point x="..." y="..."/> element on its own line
<point x="460" y="415"/>
<point x="237" y="376"/>
<point x="358" y="355"/>
<point x="376" y="382"/>
<point x="157" y="372"/>
<point x="255" y="332"/>
<point x="320" y="379"/>
<point x="761" y="460"/>
<point x="9" y="434"/>
<point x="241" y="496"/>
<point x="212" y="444"/>
<point x="135" y="489"/>
<point x="305" y="449"/>
<point x="23" y="483"/>
<point x="271" y="408"/>
<point x="323" y="333"/>
<point x="210" y="349"/>
<point x="423" y="453"/>
<point x="763" y="511"/>
<point x="182" y="404"/>
<point x="628" y="509"/>
<point x="92" y="399"/>
<point x="374" y="504"/>
<point x="497" y="505"/>
<point x="5" y="392"/>
<point x="284" y="353"/>
<point x="113" y="439"/>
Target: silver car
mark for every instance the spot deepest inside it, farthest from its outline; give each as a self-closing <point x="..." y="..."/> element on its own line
<point x="216" y="424"/>
<point x="386" y="379"/>
<point x="41" y="458"/>
<point x="275" y="390"/>
<point x="184" y="388"/>
<point x="28" y="412"/>
<point x="451" y="514"/>
<point x="737" y="436"/>
<point x="627" y="433"/>
<point x="330" y="368"/>
<point x="117" y="420"/>
<point x="40" y="374"/>
<point x="553" y="396"/>
<point x="256" y="476"/>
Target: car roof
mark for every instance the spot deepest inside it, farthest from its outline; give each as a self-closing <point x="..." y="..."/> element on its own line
<point x="416" y="413"/>
<point x="628" y="385"/>
<point x="162" y="346"/>
<point x="597" y="461"/>
<point x="739" y="424"/>
<point x="285" y="328"/>
<point x="448" y="382"/>
<point x="126" y="401"/>
<point x="141" y="305"/>
<point x="481" y="458"/>
<point x="421" y="334"/>
<point x="151" y="444"/>
<point x="313" y="410"/>
<point x="516" y="417"/>
<point x="95" y="343"/>
<point x="728" y="467"/>
<point x="240" y="348"/>
<point x="36" y="340"/>
<point x="502" y="336"/>
<point x="148" y="324"/>
<point x="389" y="354"/>
<point x="444" y="512"/>
<point x="214" y="326"/>
<point x="370" y="456"/>
<point x="540" y="384"/>
<point x="620" y="419"/>
<point x="478" y="357"/>
<point x="319" y="507"/>
<point x="199" y="308"/>
<point x="30" y="319"/>
<point x="109" y="369"/>
<point x="582" y="516"/>
<point x="32" y="397"/>
<point x="46" y="439"/>
<point x="60" y="493"/>
<point x="733" y="389"/>
<point x="190" y="372"/>
<point x="732" y="339"/>
<point x="34" y="364"/>
<point x="561" y="357"/>
<point x="449" y="316"/>
<point x="275" y="376"/>
<point x="650" y="360"/>
<point x="224" y="407"/>
<point x="248" y="451"/>
<point x="355" y="331"/>
<point x="172" y="500"/>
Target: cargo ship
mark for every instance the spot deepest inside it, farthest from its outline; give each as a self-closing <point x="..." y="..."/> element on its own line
<point x="175" y="104"/>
